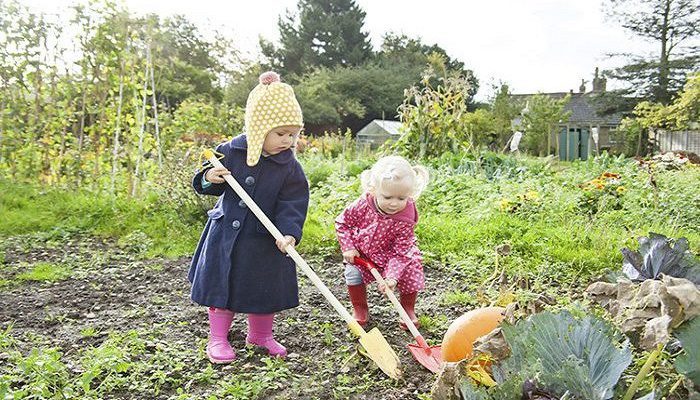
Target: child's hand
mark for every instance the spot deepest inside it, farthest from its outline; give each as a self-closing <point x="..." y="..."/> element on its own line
<point x="390" y="283"/>
<point x="349" y="256"/>
<point x="214" y="175"/>
<point x="284" y="242"/>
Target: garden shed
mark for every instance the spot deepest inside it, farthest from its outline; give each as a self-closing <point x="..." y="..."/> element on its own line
<point x="378" y="132"/>
<point x="587" y="131"/>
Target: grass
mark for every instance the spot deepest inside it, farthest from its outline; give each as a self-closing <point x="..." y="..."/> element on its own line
<point x="46" y="272"/>
<point x="460" y="214"/>
<point x="138" y="222"/>
<point x="552" y="235"/>
<point x="460" y="298"/>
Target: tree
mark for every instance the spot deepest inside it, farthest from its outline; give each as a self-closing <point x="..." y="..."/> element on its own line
<point x="325" y="104"/>
<point x="685" y="109"/>
<point x="351" y="96"/>
<point x="186" y="63"/>
<point x="503" y="109"/>
<point x="413" y="55"/>
<point x="670" y="24"/>
<point x="680" y="115"/>
<point x="328" y="34"/>
<point x="542" y="115"/>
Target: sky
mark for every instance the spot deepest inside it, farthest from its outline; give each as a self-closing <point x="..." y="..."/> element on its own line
<point x="533" y="45"/>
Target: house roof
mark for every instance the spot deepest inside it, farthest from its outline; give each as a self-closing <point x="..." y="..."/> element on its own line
<point x="582" y="108"/>
<point x="381" y="126"/>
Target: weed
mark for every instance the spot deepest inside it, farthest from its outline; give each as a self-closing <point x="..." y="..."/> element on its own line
<point x="459" y="298"/>
<point x="433" y="324"/>
<point x="89" y="332"/>
<point x="155" y="267"/>
<point x="46" y="272"/>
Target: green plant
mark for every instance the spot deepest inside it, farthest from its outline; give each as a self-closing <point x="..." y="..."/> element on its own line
<point x="89" y="331"/>
<point x="602" y="193"/>
<point x="41" y="374"/>
<point x="460" y="298"/>
<point x="107" y="367"/>
<point x="688" y="363"/>
<point x="523" y="203"/>
<point x="433" y="324"/>
<point x="237" y="387"/>
<point x="434" y="118"/>
<point x="46" y="272"/>
<point x="656" y="257"/>
<point x="136" y="242"/>
<point x="327" y="330"/>
<point x="583" y="356"/>
<point x="560" y="356"/>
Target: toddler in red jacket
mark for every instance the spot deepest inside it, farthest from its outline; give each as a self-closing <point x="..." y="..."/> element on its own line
<point x="379" y="226"/>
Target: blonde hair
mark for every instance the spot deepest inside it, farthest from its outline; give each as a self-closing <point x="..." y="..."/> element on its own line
<point x="394" y="168"/>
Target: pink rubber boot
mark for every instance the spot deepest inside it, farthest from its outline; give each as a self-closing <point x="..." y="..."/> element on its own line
<point x="219" y="350"/>
<point x="260" y="334"/>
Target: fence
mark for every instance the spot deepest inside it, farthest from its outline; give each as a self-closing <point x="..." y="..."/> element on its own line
<point x="678" y="141"/>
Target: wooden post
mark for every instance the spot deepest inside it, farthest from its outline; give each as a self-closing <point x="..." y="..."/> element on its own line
<point x="137" y="179"/>
<point x="115" y="148"/>
<point x="155" y="108"/>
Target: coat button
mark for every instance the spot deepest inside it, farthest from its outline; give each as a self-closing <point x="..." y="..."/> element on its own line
<point x="236" y="224"/>
<point x="242" y="204"/>
<point x="249" y="181"/>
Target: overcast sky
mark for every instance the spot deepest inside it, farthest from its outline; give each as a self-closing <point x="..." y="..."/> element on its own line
<point x="533" y="45"/>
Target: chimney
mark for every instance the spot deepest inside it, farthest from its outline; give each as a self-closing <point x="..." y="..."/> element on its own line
<point x="599" y="83"/>
<point x="582" y="88"/>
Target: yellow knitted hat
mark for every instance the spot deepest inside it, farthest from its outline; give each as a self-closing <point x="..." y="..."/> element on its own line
<point x="270" y="104"/>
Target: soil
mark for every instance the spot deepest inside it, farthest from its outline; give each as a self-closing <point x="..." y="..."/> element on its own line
<point x="113" y="289"/>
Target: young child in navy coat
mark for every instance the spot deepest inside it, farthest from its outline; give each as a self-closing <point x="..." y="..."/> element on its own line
<point x="238" y="266"/>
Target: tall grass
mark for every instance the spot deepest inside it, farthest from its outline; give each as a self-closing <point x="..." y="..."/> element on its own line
<point x="27" y="209"/>
<point x="463" y="217"/>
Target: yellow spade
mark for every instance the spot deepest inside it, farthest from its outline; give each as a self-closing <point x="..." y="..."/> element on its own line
<point x="377" y="348"/>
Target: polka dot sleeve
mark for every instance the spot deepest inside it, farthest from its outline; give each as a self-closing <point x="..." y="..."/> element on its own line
<point x="345" y="225"/>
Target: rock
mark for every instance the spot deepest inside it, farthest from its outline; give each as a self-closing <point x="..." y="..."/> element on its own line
<point x="493" y="344"/>
<point x="446" y="386"/>
<point x="686" y="293"/>
<point x="656" y="331"/>
<point x="650" y="308"/>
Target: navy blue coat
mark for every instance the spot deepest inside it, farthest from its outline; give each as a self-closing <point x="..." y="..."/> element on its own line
<point x="237" y="264"/>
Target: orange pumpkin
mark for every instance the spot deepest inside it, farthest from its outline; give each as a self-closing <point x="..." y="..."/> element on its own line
<point x="460" y="336"/>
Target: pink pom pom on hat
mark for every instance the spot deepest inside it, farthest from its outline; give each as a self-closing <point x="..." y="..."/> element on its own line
<point x="269" y="77"/>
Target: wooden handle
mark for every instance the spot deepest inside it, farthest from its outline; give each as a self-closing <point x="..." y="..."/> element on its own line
<point x="354" y="326"/>
<point x="392" y="297"/>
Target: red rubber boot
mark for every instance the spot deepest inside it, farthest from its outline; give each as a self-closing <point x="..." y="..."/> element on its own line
<point x="408" y="302"/>
<point x="358" y="298"/>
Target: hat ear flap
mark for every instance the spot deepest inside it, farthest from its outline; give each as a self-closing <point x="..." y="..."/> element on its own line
<point x="255" y="144"/>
